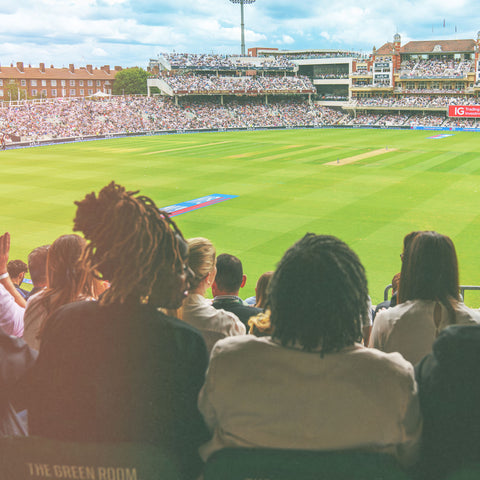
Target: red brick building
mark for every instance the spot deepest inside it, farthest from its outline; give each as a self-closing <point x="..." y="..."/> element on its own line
<point x="20" y="82"/>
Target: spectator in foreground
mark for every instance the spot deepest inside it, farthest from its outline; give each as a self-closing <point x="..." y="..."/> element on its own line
<point x="312" y="385"/>
<point x="118" y="369"/>
<point x="196" y="309"/>
<point x="449" y="390"/>
<point x="12" y="304"/>
<point x="226" y="287"/>
<point x="37" y="266"/>
<point x="67" y="281"/>
<point x="17" y="270"/>
<point x="16" y="359"/>
<point x="428" y="300"/>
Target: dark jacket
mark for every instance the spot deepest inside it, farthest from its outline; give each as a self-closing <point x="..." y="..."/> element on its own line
<point x="121" y="373"/>
<point x="449" y="388"/>
<point x="16" y="359"/>
<point x="235" y="305"/>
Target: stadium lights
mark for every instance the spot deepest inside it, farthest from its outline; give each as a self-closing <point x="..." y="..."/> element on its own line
<point x="242" y="25"/>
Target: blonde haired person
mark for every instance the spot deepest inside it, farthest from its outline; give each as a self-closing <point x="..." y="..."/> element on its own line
<point x="197" y="310"/>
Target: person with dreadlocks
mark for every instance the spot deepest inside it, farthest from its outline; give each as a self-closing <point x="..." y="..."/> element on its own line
<point x="312" y="384"/>
<point x="118" y="369"/>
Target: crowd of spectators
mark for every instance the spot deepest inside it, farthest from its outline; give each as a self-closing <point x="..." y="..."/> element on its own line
<point x="436" y="68"/>
<point x="310" y="55"/>
<point x="212" y="84"/>
<point x="64" y="118"/>
<point x="73" y="117"/>
<point x="415" y="101"/>
<point x="149" y="359"/>
<point x="192" y="61"/>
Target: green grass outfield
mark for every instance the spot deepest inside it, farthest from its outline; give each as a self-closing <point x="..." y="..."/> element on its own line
<point x="284" y="189"/>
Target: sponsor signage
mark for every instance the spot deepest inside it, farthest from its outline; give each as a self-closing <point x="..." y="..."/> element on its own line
<point x="464" y="111"/>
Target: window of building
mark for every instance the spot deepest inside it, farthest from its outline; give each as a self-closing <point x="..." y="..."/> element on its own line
<point x="1" y="93"/>
<point x="98" y="83"/>
<point x="90" y="83"/>
<point x="53" y="83"/>
<point x="44" y="93"/>
<point x="23" y="83"/>
<point x="72" y="83"/>
<point x="72" y="92"/>
<point x="33" y="83"/>
<point x="54" y="92"/>
<point x="81" y="92"/>
<point x="34" y="92"/>
<point x="1" y="82"/>
<point x="90" y="91"/>
<point x="44" y="83"/>
<point x="63" y="83"/>
<point x="80" y="82"/>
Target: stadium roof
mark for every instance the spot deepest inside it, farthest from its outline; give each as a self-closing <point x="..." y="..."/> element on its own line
<point x="385" y="49"/>
<point x="42" y="72"/>
<point x="436" y="46"/>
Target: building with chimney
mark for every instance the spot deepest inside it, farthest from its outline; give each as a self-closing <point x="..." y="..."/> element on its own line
<point x="19" y="82"/>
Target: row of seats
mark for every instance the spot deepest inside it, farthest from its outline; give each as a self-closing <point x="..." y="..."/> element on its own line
<point x="23" y="458"/>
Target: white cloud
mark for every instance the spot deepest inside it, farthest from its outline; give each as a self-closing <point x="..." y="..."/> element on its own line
<point x="99" y="52"/>
<point x="129" y="32"/>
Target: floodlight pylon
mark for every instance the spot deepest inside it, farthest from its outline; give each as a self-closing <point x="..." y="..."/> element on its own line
<point x="242" y="23"/>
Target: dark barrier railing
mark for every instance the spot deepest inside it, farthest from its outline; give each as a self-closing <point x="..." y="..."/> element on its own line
<point x="463" y="289"/>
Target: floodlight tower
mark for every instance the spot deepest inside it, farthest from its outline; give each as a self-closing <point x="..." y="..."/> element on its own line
<point x="242" y="25"/>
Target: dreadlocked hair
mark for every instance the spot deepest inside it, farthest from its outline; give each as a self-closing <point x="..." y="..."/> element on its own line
<point x="131" y="241"/>
<point x="318" y="295"/>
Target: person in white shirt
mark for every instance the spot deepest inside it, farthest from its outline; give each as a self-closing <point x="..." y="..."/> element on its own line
<point x="196" y="309"/>
<point x="12" y="304"/>
<point x="312" y="385"/>
<point x="428" y="300"/>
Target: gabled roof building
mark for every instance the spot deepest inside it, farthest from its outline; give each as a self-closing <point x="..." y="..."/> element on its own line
<point x="20" y="82"/>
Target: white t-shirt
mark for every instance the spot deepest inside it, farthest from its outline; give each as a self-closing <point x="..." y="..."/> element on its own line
<point x="11" y="314"/>
<point x="409" y="328"/>
<point x="214" y="324"/>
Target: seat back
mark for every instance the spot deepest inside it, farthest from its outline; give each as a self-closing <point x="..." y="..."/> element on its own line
<point x="467" y="472"/>
<point x="275" y="464"/>
<point x="35" y="458"/>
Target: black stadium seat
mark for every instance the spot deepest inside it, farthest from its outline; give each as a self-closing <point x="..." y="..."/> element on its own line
<point x="273" y="464"/>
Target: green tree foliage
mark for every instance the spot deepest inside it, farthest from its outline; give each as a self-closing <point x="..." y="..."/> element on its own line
<point x="131" y="81"/>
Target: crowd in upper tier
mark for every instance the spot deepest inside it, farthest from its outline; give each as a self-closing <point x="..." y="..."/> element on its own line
<point x="203" y="84"/>
<point x="192" y="61"/>
<point x="436" y="68"/>
<point x="118" y="342"/>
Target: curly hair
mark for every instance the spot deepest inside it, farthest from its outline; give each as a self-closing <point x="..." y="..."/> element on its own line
<point x="318" y="295"/>
<point x="131" y="242"/>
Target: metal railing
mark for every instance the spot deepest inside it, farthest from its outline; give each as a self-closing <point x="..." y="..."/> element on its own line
<point x="463" y="288"/>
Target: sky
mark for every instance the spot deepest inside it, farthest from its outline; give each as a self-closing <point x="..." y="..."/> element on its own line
<point x="130" y="32"/>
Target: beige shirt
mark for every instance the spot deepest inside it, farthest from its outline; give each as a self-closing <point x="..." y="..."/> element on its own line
<point x="213" y="324"/>
<point x="35" y="315"/>
<point x="260" y="394"/>
<point x="409" y="328"/>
